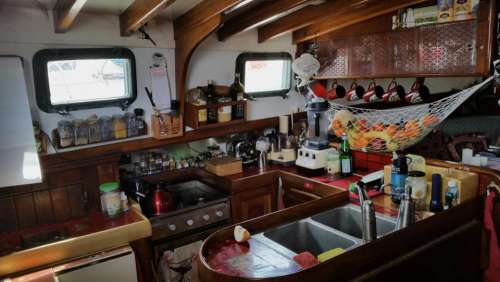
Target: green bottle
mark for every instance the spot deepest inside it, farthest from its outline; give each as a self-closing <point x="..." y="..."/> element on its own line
<point x="345" y="157"/>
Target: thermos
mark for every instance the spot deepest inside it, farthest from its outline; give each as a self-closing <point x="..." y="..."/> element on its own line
<point x="399" y="174"/>
<point x="436" y="205"/>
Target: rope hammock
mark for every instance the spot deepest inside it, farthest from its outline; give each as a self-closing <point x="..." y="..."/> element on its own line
<point x="394" y="129"/>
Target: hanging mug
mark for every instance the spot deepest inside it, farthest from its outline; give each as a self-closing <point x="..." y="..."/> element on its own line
<point x="418" y="93"/>
<point x="375" y="92"/>
<point x="395" y="92"/>
<point x="356" y="92"/>
<point x="337" y="91"/>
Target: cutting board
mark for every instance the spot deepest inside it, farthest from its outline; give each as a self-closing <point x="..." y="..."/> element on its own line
<point x="224" y="166"/>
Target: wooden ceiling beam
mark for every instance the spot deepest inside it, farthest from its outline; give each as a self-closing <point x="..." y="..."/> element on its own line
<point x="256" y="15"/>
<point x="301" y="18"/>
<point x="201" y="13"/>
<point x="139" y="13"/>
<point x="349" y="16"/>
<point x="65" y="13"/>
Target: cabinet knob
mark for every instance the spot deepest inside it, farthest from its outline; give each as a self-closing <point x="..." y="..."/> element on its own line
<point x="206" y="217"/>
<point x="219" y="213"/>
<point x="172" y="227"/>
<point x="190" y="222"/>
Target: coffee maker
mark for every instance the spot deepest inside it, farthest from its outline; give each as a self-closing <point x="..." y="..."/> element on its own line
<point x="312" y="156"/>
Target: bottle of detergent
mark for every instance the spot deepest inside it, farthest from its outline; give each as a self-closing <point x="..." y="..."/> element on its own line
<point x="399" y="173"/>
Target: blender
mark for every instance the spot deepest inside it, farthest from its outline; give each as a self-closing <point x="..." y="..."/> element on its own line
<point x="312" y="156"/>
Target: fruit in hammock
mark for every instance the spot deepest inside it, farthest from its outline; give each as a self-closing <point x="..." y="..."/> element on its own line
<point x="361" y="125"/>
<point x="344" y="117"/>
<point x="392" y="129"/>
<point x="336" y="125"/>
<point x="429" y="120"/>
<point x="378" y="127"/>
<point x="412" y="129"/>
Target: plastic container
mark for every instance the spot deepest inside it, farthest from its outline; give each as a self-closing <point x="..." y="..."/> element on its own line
<point x="66" y="133"/>
<point x="224" y="113"/>
<point x="94" y="129"/>
<point x="106" y="125"/>
<point x="418" y="183"/>
<point x="111" y="201"/>
<point x="81" y="132"/>
<point x="119" y="127"/>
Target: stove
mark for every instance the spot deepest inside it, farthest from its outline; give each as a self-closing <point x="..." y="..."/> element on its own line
<point x="198" y="207"/>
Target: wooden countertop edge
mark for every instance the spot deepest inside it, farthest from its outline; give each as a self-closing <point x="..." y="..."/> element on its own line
<point x="357" y="261"/>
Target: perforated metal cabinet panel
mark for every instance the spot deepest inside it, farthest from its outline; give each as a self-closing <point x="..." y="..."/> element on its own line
<point x="448" y="48"/>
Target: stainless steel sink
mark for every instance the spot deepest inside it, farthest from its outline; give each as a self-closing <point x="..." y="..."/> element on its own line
<point x="347" y="219"/>
<point x="306" y="235"/>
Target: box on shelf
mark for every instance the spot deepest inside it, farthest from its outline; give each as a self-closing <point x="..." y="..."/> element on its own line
<point x="224" y="166"/>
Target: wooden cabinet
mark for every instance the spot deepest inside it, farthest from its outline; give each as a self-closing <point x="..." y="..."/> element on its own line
<point x="256" y="197"/>
<point x="298" y="190"/>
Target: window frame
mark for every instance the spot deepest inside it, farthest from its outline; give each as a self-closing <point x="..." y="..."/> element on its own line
<point x="41" y="78"/>
<point x="267" y="56"/>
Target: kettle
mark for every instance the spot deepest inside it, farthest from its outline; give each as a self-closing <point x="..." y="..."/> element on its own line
<point x="161" y="201"/>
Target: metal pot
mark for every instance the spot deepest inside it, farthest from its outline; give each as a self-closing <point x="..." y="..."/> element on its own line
<point x="161" y="201"/>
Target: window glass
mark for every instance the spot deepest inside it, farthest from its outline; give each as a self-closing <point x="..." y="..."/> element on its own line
<point x="265" y="74"/>
<point x="73" y="79"/>
<point x="78" y="81"/>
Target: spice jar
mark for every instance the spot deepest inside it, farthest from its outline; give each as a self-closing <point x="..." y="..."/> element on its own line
<point x="119" y="127"/>
<point x="81" y="132"/>
<point x="418" y="183"/>
<point x="141" y="123"/>
<point x="94" y="129"/>
<point x="106" y="125"/>
<point x="132" y="129"/>
<point x="224" y="112"/>
<point x="66" y="133"/>
<point x="110" y="198"/>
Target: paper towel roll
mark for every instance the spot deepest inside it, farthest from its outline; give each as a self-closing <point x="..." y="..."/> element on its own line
<point x="284" y="124"/>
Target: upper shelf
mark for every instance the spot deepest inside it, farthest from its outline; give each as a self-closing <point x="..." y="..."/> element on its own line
<point x="371" y="49"/>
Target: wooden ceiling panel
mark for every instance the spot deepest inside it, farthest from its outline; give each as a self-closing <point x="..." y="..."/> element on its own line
<point x="256" y="15"/>
<point x="139" y="13"/>
<point x="65" y="13"/>
<point x="201" y="13"/>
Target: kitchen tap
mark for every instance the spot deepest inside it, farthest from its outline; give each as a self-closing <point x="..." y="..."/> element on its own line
<point x="367" y="213"/>
<point x="406" y="213"/>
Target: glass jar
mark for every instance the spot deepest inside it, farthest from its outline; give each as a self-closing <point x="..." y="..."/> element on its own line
<point x="132" y="129"/>
<point x="119" y="127"/>
<point x="224" y="112"/>
<point x="141" y="123"/>
<point x="106" y="125"/>
<point x="418" y="183"/>
<point x="110" y="199"/>
<point x="81" y="132"/>
<point x="94" y="129"/>
<point x="66" y="133"/>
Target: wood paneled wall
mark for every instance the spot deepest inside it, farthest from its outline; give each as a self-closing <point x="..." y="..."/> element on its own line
<point x="68" y="191"/>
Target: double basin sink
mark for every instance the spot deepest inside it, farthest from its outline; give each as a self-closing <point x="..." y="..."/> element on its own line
<point x="337" y="228"/>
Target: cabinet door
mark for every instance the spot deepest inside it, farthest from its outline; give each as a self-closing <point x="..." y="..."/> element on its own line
<point x="254" y="196"/>
<point x="256" y="205"/>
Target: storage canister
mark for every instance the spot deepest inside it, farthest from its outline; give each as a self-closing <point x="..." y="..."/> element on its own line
<point x="110" y="198"/>
<point x="119" y="126"/>
<point x="224" y="112"/>
<point x="106" y="125"/>
<point x="66" y="133"/>
<point x="81" y="132"/>
<point x="94" y="129"/>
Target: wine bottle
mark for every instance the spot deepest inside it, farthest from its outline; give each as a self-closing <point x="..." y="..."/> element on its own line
<point x="345" y="157"/>
<point x="237" y="92"/>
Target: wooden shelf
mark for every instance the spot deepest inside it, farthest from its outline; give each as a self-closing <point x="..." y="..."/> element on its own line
<point x="191" y="115"/>
<point x="150" y="143"/>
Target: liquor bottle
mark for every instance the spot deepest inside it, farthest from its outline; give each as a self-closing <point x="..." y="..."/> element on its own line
<point x="237" y="92"/>
<point x="211" y="103"/>
<point x="345" y="157"/>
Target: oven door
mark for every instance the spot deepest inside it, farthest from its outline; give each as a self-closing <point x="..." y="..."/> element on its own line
<point x="177" y="257"/>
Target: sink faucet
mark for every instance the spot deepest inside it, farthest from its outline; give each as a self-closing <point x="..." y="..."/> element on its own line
<point x="406" y="213"/>
<point x="367" y="213"/>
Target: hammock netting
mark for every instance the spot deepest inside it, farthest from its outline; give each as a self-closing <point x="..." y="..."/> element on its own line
<point x="394" y="129"/>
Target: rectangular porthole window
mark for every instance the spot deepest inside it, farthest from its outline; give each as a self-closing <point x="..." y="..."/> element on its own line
<point x="73" y="79"/>
<point x="265" y="74"/>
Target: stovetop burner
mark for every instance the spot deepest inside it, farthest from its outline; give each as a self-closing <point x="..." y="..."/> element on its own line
<point x="192" y="194"/>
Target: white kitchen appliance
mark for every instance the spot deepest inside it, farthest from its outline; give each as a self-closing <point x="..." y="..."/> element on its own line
<point x="283" y="152"/>
<point x="313" y="155"/>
